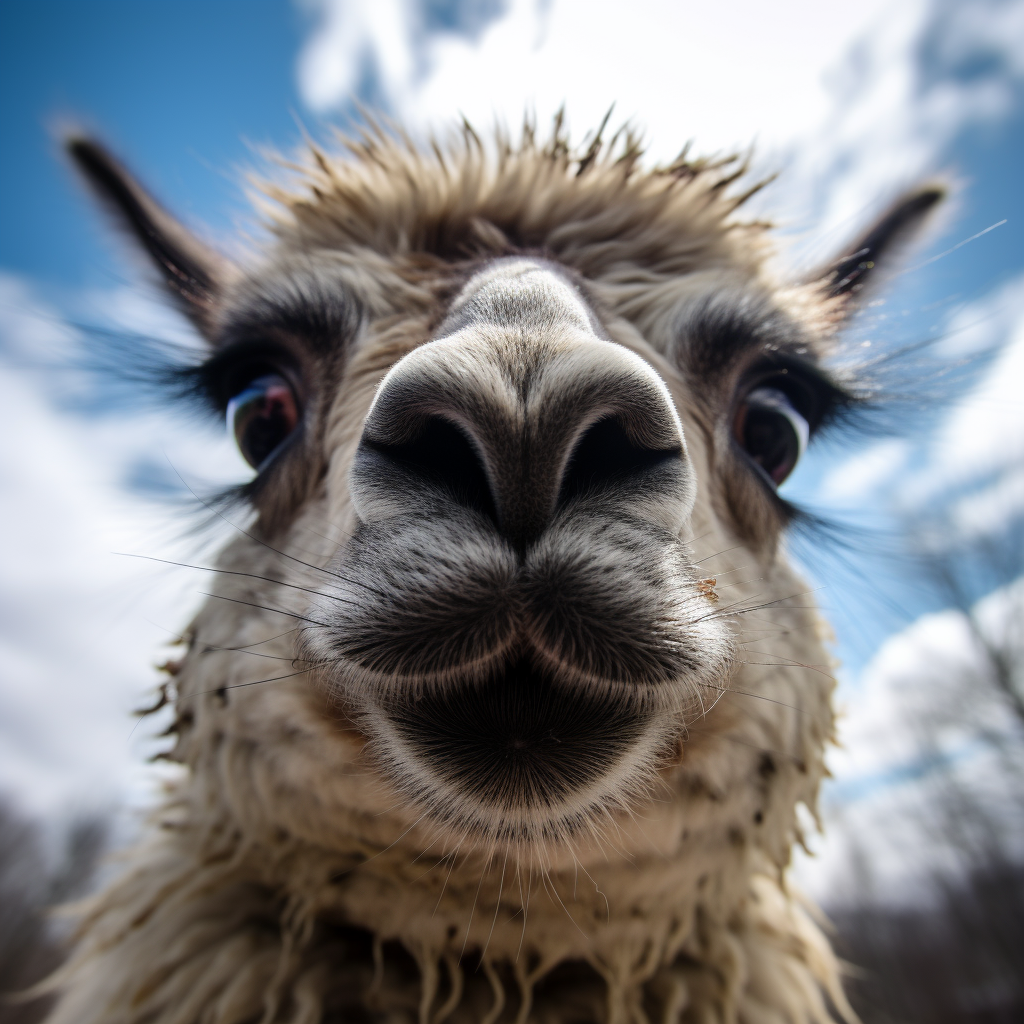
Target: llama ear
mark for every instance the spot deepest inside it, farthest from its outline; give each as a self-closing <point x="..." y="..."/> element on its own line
<point x="192" y="273"/>
<point x="852" y="274"/>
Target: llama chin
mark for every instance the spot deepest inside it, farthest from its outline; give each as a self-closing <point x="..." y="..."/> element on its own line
<point x="518" y="418"/>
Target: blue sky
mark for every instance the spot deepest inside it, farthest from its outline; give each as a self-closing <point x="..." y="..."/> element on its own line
<point x="178" y="87"/>
<point x="848" y="105"/>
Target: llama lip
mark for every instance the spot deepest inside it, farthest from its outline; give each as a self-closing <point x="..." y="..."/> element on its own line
<point x="518" y="739"/>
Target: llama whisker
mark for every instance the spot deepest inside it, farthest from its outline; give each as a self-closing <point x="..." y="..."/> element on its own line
<point x="257" y="643"/>
<point x="739" y="568"/>
<point x="270" y="547"/>
<point x="600" y="892"/>
<point x="424" y="851"/>
<point x="611" y="833"/>
<point x="238" y="686"/>
<point x="706" y="711"/>
<point x="243" y="649"/>
<point x="703" y="710"/>
<point x="724" y="551"/>
<point x="740" y="583"/>
<point x="257" y="654"/>
<point x="497" y="905"/>
<point x="472" y="911"/>
<point x="235" y="572"/>
<point x="263" y="607"/>
<point x="962" y="242"/>
<point x="776" y="629"/>
<point x="220" y="689"/>
<point x="444" y="885"/>
<point x="784" y="662"/>
<point x="735" y="610"/>
<point x="793" y="607"/>
<point x="392" y="845"/>
<point x="761" y="748"/>
<point x="771" y="700"/>
<point x="762" y="634"/>
<point x="432" y="868"/>
<point x="344" y="535"/>
<point x="522" y="902"/>
<point x="526" y="909"/>
<point x="727" y="610"/>
<point x="247" y="649"/>
<point x="624" y="808"/>
<point x="399" y="802"/>
<point x="550" y="887"/>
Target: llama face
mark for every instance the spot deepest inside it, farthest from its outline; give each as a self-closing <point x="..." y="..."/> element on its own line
<point x="516" y="622"/>
<point x="492" y="492"/>
<point x="510" y="609"/>
<point x="507" y="668"/>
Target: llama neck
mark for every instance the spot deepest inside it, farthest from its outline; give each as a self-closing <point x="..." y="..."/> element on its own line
<point x="625" y="916"/>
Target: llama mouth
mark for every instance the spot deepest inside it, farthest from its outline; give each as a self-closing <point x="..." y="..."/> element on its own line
<point x="515" y="749"/>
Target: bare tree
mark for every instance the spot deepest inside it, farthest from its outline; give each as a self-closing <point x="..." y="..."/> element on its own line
<point x="31" y="883"/>
<point x="957" y="955"/>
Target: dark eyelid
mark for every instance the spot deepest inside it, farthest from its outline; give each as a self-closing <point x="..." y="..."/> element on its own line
<point x="233" y="366"/>
<point x="817" y="395"/>
<point x="320" y="316"/>
<point x="725" y="328"/>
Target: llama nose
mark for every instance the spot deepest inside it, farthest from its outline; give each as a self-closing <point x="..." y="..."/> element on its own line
<point x="522" y="417"/>
<point x="590" y="429"/>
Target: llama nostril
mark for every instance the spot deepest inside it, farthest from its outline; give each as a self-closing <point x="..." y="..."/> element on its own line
<point x="441" y="455"/>
<point x="607" y="456"/>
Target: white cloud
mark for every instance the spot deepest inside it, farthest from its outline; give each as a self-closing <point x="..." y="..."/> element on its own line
<point x="724" y="73"/>
<point x="974" y="461"/>
<point x="349" y="34"/>
<point x="80" y="626"/>
<point x="865" y="472"/>
<point x="892" y="116"/>
<point x="966" y="477"/>
<point x="838" y="95"/>
<point x="927" y="715"/>
<point x="989" y="510"/>
<point x="985" y="432"/>
<point x="991" y="26"/>
<point x="984" y="325"/>
<point x="920" y="681"/>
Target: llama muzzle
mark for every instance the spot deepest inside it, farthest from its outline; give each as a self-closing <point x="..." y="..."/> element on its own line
<point x="523" y="488"/>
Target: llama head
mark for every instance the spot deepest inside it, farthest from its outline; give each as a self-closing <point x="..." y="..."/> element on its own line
<point x="518" y="421"/>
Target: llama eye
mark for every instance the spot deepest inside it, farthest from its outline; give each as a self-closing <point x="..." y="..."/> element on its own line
<point x="771" y="431"/>
<point x="261" y="417"/>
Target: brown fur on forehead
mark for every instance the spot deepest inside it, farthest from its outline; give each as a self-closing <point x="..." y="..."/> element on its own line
<point x="321" y="297"/>
<point x="596" y="209"/>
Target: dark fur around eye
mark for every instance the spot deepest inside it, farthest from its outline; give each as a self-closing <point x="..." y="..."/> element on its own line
<point x="230" y="370"/>
<point x="821" y="398"/>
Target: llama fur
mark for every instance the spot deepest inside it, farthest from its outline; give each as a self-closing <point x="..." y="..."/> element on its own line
<point x="284" y="878"/>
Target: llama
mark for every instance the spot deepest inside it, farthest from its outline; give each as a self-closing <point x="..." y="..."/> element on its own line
<point x="502" y="707"/>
